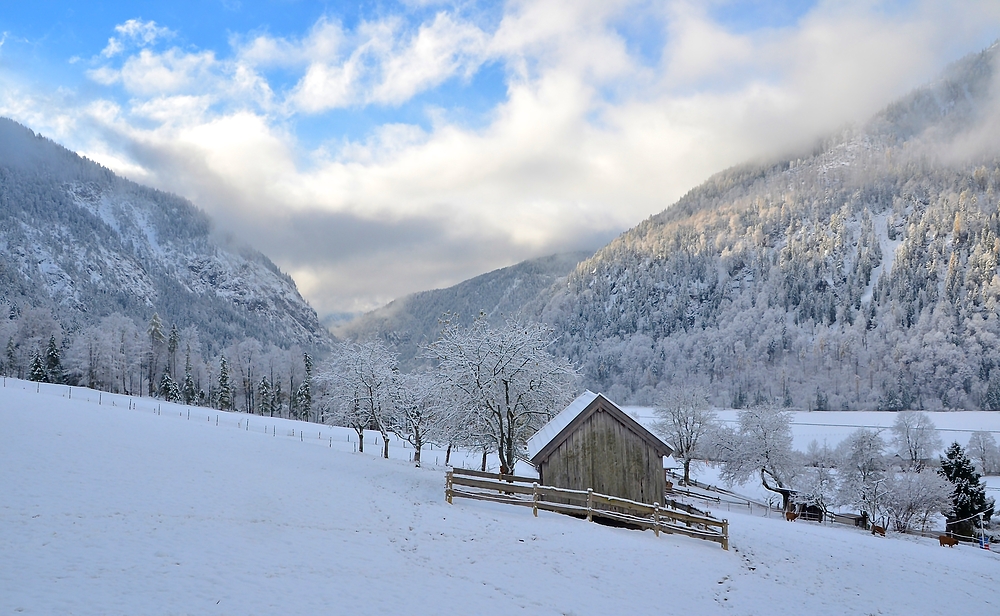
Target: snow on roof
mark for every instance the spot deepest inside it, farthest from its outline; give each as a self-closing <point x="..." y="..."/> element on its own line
<point x="552" y="429"/>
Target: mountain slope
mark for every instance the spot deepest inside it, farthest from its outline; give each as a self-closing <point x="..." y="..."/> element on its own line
<point x="860" y="275"/>
<point x="84" y="243"/>
<point x="412" y="321"/>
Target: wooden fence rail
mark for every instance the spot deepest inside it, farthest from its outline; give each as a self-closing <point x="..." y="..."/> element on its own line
<point x="525" y="491"/>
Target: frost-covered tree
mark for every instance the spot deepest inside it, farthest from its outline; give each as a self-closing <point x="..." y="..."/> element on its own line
<point x="360" y="378"/>
<point x="10" y="366"/>
<point x="418" y="414"/>
<point x="862" y="471"/>
<point x="225" y="393"/>
<point x="505" y="378"/>
<point x="189" y="392"/>
<point x="167" y="388"/>
<point x="816" y="484"/>
<point x="685" y="420"/>
<point x="303" y="396"/>
<point x="53" y="361"/>
<point x="154" y="332"/>
<point x="173" y="342"/>
<point x="983" y="449"/>
<point x="37" y="371"/>
<point x="968" y="494"/>
<point x="760" y="445"/>
<point x="915" y="497"/>
<point x="915" y="438"/>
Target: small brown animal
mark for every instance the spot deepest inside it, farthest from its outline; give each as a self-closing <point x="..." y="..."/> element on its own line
<point x="790" y="516"/>
<point x="878" y="530"/>
<point x="945" y="540"/>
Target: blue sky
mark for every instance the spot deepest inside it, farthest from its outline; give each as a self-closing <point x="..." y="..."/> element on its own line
<point x="374" y="149"/>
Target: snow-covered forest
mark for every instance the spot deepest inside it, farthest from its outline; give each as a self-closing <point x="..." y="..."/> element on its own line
<point x="862" y="275"/>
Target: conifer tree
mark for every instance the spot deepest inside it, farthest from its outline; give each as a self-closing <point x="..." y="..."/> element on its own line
<point x="37" y="372"/>
<point x="11" y="368"/>
<point x="188" y="390"/>
<point x="968" y="497"/>
<point x="172" y="343"/>
<point x="303" y="397"/>
<point x="156" y="339"/>
<point x="266" y="404"/>
<point x="53" y="362"/>
<point x="225" y="387"/>
<point x="168" y="389"/>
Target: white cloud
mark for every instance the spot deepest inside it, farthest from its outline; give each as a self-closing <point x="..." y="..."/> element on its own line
<point x="135" y="32"/>
<point x="589" y="139"/>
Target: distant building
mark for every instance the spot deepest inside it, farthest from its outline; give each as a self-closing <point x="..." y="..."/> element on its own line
<point x="593" y="444"/>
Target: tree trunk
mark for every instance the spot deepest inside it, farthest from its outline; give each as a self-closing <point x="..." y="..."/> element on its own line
<point x="385" y="447"/>
<point x="783" y="493"/>
<point x="447" y="455"/>
<point x="416" y="452"/>
<point x="361" y="440"/>
<point x="483" y="469"/>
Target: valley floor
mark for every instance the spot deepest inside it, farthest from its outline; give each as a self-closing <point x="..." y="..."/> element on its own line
<point x="111" y="510"/>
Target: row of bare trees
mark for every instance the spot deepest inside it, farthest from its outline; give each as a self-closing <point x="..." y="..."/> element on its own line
<point x="490" y="388"/>
<point x="886" y="479"/>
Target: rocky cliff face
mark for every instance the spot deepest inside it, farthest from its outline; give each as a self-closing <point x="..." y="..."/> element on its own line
<point x="85" y="243"/>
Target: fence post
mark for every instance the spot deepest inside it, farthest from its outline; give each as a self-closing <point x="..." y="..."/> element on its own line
<point x="725" y="535"/>
<point x="656" y="519"/>
<point x="534" y="498"/>
<point x="447" y="487"/>
<point x="590" y="504"/>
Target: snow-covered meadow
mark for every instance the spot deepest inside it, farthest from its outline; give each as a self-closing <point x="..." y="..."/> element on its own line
<point x="111" y="509"/>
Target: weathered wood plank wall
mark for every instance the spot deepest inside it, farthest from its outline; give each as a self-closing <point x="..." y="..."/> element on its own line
<point x="604" y="455"/>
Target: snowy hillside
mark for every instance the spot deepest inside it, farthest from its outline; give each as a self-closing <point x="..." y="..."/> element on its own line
<point x="84" y="243"/>
<point x="861" y="275"/>
<point x="111" y="509"/>
<point x="411" y="322"/>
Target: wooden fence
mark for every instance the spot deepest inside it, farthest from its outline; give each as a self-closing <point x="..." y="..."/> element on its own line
<point x="525" y="491"/>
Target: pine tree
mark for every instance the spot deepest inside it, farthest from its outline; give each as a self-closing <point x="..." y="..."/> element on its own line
<point x="188" y="390"/>
<point x="303" y="397"/>
<point x="276" y="398"/>
<point x="968" y="497"/>
<point x="156" y="339"/>
<point x="168" y="389"/>
<point x="172" y="343"/>
<point x="266" y="398"/>
<point x="225" y="387"/>
<point x="11" y="368"/>
<point x="37" y="372"/>
<point x="53" y="362"/>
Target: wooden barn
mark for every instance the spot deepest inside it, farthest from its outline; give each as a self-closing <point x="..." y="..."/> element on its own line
<point x="594" y="444"/>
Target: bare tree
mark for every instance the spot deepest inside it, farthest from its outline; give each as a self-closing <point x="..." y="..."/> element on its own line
<point x="915" y="438"/>
<point x="762" y="443"/>
<point x="685" y="420"/>
<point x="417" y="412"/>
<point x="862" y="469"/>
<point x="360" y="379"/>
<point x="505" y="379"/>
<point x="911" y="496"/>
<point x="983" y="449"/>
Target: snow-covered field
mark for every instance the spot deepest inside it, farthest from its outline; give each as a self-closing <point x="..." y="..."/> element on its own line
<point x="111" y="510"/>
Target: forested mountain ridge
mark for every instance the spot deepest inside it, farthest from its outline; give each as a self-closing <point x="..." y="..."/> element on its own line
<point x="413" y="321"/>
<point x="85" y="244"/>
<point x="860" y="275"/>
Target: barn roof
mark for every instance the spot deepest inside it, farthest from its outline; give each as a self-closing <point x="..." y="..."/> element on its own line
<point x="562" y="425"/>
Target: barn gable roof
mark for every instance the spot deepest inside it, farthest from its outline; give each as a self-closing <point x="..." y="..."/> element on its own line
<point x="552" y="434"/>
